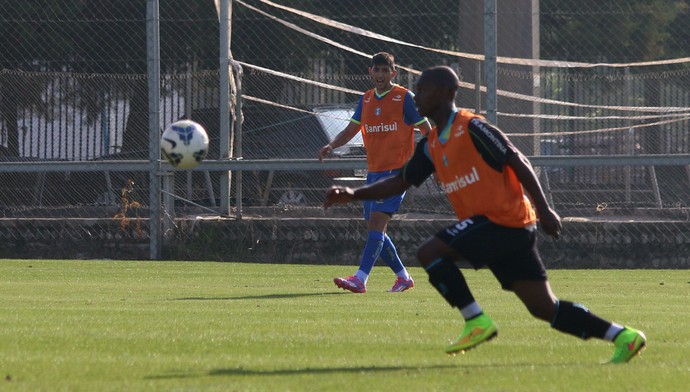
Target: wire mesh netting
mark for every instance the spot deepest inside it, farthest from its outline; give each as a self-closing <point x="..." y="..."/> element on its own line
<point x="573" y="79"/>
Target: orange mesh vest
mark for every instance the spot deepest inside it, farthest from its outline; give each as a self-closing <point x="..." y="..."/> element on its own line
<point x="472" y="186"/>
<point x="388" y="140"/>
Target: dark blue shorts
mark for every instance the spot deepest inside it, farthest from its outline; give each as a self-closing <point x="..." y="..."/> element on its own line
<point x="390" y="205"/>
<point x="510" y="253"/>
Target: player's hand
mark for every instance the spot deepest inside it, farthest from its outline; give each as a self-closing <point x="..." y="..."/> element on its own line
<point x="325" y="150"/>
<point x="550" y="223"/>
<point x="338" y="194"/>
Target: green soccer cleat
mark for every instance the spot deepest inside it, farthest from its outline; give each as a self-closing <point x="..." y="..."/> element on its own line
<point x="477" y="330"/>
<point x="628" y="343"/>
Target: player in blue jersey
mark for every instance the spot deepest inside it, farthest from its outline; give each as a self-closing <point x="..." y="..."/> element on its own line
<point x="386" y="115"/>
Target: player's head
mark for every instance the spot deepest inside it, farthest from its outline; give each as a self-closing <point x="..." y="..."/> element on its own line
<point x="436" y="88"/>
<point x="382" y="71"/>
<point x="442" y="76"/>
<point x="383" y="58"/>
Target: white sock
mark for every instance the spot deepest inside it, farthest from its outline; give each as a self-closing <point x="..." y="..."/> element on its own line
<point x="471" y="310"/>
<point x="403" y="274"/>
<point x="363" y="277"/>
<point x="613" y="330"/>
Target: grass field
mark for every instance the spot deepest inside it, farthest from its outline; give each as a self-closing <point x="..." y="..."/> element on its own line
<point x="197" y="326"/>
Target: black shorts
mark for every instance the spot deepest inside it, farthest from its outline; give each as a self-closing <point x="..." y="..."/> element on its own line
<point x="510" y="253"/>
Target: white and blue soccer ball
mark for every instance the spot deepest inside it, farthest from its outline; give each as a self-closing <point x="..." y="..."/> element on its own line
<point x="184" y="144"/>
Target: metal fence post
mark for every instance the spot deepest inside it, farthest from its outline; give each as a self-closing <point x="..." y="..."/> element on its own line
<point x="478" y="89"/>
<point x="490" y="44"/>
<point x="238" y="134"/>
<point x="153" y="73"/>
<point x="224" y="104"/>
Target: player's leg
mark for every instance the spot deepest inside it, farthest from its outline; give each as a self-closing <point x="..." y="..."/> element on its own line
<point x="377" y="221"/>
<point x="389" y="253"/>
<point x="376" y="231"/>
<point x="575" y="319"/>
<point x="438" y="255"/>
<point x="522" y="271"/>
<point x="531" y="286"/>
<point x="376" y="227"/>
<point x="565" y="316"/>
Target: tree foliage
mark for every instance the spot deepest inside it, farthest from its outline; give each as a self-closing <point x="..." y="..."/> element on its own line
<point x="95" y="36"/>
<point x="613" y="31"/>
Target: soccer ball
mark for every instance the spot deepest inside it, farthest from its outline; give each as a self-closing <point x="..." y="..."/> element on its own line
<point x="184" y="144"/>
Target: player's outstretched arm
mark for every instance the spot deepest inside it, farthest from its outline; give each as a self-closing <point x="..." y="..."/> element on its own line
<point x="378" y="190"/>
<point x="548" y="218"/>
<point x="340" y="139"/>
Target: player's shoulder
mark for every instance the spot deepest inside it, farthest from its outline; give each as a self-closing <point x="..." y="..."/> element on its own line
<point x="477" y="122"/>
<point x="471" y="116"/>
<point x="369" y="93"/>
<point x="400" y="89"/>
<point x="491" y="137"/>
<point x="367" y="96"/>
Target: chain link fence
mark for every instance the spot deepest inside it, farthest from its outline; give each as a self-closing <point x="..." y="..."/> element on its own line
<point x="580" y="87"/>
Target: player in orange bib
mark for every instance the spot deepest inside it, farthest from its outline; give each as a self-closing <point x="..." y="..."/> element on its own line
<point x="485" y="179"/>
<point x="386" y="116"/>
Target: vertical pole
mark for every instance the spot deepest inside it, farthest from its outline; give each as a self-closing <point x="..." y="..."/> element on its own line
<point x="478" y="89"/>
<point x="629" y="140"/>
<point x="168" y="208"/>
<point x="153" y="74"/>
<point x="226" y="150"/>
<point x="537" y="142"/>
<point x="490" y="50"/>
<point x="238" y="134"/>
<point x="188" y="108"/>
<point x="536" y="81"/>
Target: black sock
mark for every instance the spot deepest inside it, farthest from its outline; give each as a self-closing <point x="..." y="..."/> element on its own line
<point x="445" y="276"/>
<point x="577" y="320"/>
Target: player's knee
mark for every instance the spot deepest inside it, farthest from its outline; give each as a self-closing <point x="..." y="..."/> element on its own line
<point x="542" y="311"/>
<point x="423" y="261"/>
<point x="430" y="251"/>
<point x="425" y="256"/>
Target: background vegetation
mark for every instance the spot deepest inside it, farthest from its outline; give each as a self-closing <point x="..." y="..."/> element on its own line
<point x="90" y="36"/>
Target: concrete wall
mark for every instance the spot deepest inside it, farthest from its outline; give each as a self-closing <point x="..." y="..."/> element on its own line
<point x="584" y="244"/>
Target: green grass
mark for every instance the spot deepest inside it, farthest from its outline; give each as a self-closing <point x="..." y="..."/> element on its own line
<point x="197" y="326"/>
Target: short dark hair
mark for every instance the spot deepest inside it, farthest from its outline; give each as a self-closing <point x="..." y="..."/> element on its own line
<point x="383" y="58"/>
<point x="444" y="76"/>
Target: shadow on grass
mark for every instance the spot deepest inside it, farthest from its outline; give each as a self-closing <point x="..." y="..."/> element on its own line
<point x="240" y="371"/>
<point x="287" y="372"/>
<point x="267" y="296"/>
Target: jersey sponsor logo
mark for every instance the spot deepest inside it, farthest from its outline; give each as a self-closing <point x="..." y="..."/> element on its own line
<point x="487" y="132"/>
<point x="381" y="128"/>
<point x="397" y="98"/>
<point x="461" y="181"/>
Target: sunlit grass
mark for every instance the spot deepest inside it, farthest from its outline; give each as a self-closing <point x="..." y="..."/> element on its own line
<point x="140" y="325"/>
